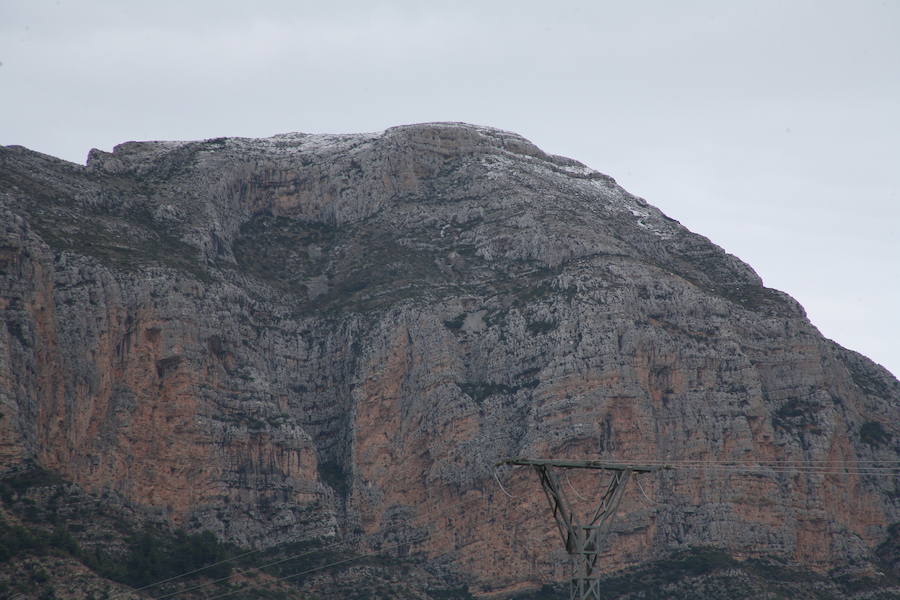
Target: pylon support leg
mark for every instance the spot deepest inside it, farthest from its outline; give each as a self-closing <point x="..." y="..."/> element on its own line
<point x="582" y="540"/>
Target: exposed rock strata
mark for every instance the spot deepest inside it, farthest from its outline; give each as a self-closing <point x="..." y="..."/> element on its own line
<point x="316" y="336"/>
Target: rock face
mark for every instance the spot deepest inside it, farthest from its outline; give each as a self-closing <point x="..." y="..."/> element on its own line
<point x="316" y="336"/>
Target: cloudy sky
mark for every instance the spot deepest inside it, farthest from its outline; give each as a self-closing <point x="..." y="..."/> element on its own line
<point x="773" y="128"/>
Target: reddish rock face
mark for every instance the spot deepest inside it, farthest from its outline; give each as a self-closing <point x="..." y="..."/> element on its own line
<point x="319" y="336"/>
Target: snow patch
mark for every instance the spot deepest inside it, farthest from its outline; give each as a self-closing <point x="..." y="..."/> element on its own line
<point x="578" y="170"/>
<point x="286" y="144"/>
<point x="646" y="219"/>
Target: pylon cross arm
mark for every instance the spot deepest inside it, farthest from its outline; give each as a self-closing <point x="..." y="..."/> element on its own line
<point x="583" y="464"/>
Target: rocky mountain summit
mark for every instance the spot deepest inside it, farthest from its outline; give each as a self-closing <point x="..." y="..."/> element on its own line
<point x="334" y="338"/>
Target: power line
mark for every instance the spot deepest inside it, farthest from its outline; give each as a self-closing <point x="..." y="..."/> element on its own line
<point x="873" y="467"/>
<point x="770" y="470"/>
<point x="258" y="567"/>
<point x="347" y="560"/>
<point x="786" y="462"/>
<point x="787" y="466"/>
<point x="579" y="496"/>
<point x="185" y="574"/>
<point x="223" y="579"/>
<point x="502" y="489"/>
<point x="97" y="503"/>
<point x="637" y="480"/>
<point x="329" y="565"/>
<point x="194" y="571"/>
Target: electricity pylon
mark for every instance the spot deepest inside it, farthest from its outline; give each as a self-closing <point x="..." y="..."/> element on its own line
<point x="582" y="540"/>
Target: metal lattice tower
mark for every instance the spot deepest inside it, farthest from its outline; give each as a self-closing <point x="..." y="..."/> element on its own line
<point x="582" y="540"/>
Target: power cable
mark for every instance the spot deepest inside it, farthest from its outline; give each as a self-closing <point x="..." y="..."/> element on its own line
<point x="572" y="487"/>
<point x="258" y="567"/>
<point x="223" y="579"/>
<point x="801" y="465"/>
<point x="185" y="574"/>
<point x="743" y="467"/>
<point x="637" y="480"/>
<point x="833" y="468"/>
<point x="811" y="461"/>
<point x="502" y="489"/>
<point x="343" y="561"/>
<point x="770" y="470"/>
<point x="329" y="565"/>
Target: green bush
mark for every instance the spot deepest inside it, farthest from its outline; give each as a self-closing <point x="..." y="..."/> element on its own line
<point x="873" y="434"/>
<point x="153" y="557"/>
<point x="15" y="540"/>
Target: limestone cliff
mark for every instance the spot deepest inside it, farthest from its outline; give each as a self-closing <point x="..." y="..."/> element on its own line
<point x="337" y="336"/>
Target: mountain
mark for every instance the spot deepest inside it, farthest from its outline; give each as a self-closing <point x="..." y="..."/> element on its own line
<point x="328" y="341"/>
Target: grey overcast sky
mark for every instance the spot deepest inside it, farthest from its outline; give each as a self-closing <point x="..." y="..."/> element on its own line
<point x="773" y="128"/>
